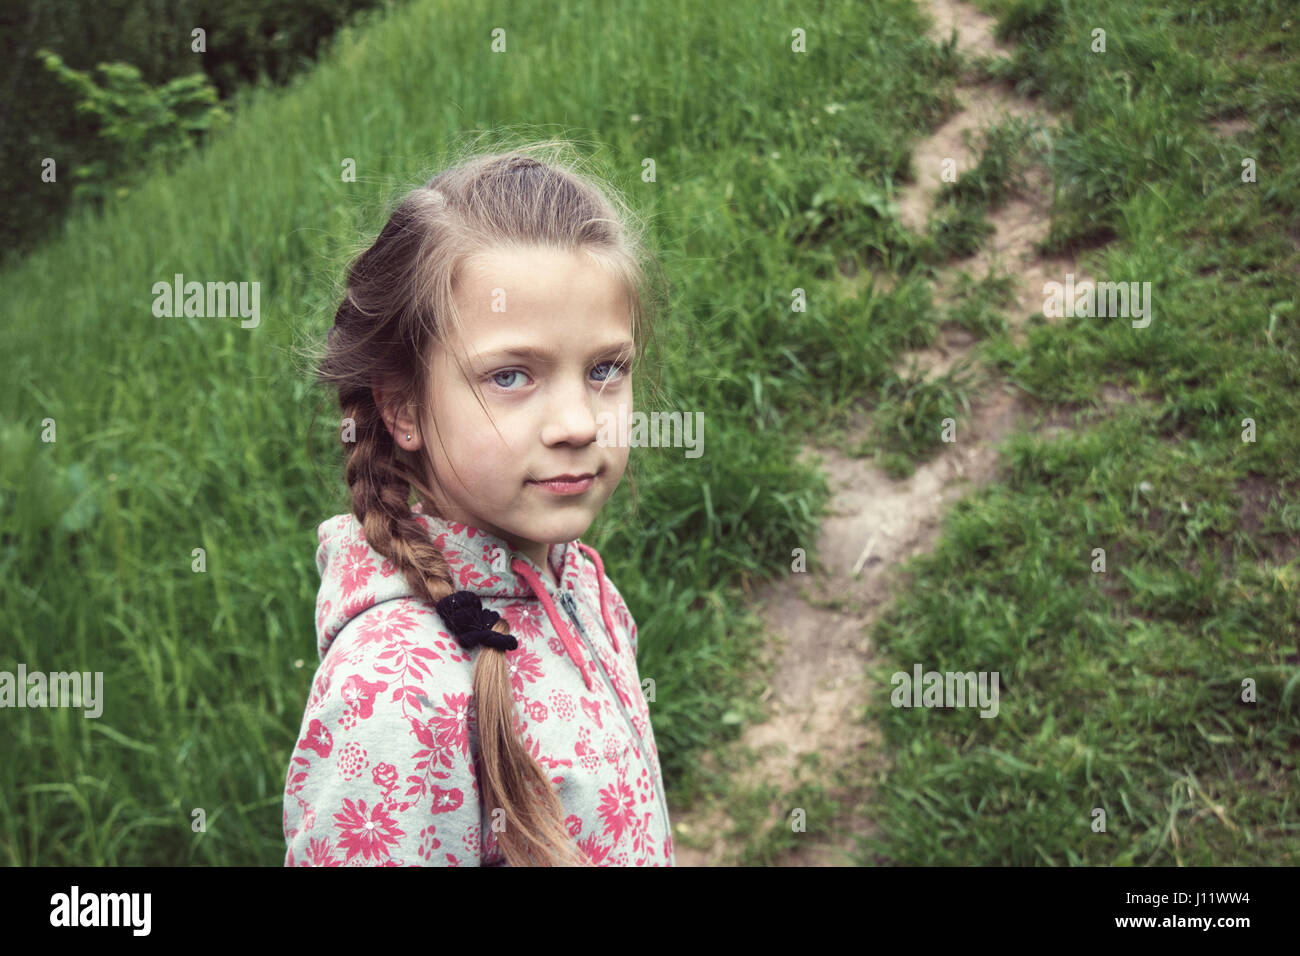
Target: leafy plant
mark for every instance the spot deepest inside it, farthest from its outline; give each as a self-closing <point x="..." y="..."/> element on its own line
<point x="144" y="124"/>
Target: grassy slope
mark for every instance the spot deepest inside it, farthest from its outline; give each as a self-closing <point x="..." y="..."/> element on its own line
<point x="175" y="434"/>
<point x="1121" y="690"/>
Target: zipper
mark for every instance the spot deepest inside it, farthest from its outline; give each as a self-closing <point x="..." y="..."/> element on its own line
<point x="566" y="599"/>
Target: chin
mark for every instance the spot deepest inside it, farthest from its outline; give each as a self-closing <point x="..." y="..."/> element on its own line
<point x="564" y="528"/>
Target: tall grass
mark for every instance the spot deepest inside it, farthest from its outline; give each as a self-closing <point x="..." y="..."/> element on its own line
<point x="775" y="173"/>
<point x="174" y="434"/>
<point x="1125" y="690"/>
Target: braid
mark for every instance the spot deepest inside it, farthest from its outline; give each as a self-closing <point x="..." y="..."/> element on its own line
<point x="381" y="491"/>
<point x="397" y="307"/>
<point x="509" y="777"/>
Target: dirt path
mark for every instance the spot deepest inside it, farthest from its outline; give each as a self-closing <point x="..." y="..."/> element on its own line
<point x="821" y="619"/>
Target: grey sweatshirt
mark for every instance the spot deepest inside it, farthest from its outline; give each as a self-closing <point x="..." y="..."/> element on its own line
<point x="384" y="772"/>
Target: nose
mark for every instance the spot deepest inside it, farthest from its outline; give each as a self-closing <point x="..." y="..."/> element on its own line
<point x="570" y="418"/>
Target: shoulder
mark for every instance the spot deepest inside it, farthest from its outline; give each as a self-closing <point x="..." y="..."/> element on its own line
<point x="396" y="654"/>
<point x="383" y="770"/>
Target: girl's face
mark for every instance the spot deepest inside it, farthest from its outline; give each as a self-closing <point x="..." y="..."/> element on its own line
<point x="546" y="342"/>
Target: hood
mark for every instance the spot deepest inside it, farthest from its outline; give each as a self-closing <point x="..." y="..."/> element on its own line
<point x="355" y="577"/>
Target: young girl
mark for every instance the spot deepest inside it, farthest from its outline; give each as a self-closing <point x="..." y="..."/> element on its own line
<point x="478" y="700"/>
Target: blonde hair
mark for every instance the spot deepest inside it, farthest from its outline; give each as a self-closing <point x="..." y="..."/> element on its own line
<point x="398" y="303"/>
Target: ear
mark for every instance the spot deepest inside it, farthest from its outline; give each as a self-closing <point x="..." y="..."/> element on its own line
<point x="398" y="419"/>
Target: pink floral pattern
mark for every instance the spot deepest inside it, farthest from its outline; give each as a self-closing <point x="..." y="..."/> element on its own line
<point x="385" y="772"/>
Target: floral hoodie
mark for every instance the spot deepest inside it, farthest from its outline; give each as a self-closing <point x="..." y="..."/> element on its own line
<point x="384" y="771"/>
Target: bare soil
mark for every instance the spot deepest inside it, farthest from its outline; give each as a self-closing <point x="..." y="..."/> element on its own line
<point x="820" y="697"/>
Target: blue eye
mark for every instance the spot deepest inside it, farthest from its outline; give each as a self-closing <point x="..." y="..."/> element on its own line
<point x="512" y="371"/>
<point x="620" y="366"/>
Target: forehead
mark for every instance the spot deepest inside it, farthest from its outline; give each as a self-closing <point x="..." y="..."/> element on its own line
<point x="538" y="297"/>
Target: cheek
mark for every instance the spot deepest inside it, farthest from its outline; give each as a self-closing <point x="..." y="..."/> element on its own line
<point x="476" y="457"/>
<point x="621" y="456"/>
<point x="461" y="436"/>
<point x="481" y="441"/>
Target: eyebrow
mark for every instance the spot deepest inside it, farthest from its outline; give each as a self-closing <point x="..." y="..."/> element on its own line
<point x="545" y="355"/>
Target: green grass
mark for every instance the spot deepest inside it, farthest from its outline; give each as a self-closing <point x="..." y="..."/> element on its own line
<point x="958" y="229"/>
<point x="979" y="305"/>
<point x="958" y="224"/>
<point x="1122" y="689"/>
<point x="773" y="169"/>
<point x="1006" y="150"/>
<point x="918" y="414"/>
<point x="775" y="172"/>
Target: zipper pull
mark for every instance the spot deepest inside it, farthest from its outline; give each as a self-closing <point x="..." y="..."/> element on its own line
<point x="566" y="598"/>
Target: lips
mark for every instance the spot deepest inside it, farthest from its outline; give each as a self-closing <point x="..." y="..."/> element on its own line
<point x="566" y="485"/>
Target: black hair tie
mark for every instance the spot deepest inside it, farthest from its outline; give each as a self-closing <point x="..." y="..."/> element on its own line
<point x="471" y="624"/>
